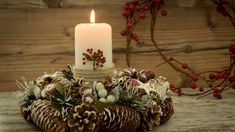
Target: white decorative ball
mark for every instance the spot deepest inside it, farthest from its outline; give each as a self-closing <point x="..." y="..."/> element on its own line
<point x="102" y="93"/>
<point x="99" y="86"/>
<point x="111" y="99"/>
<point x="103" y="100"/>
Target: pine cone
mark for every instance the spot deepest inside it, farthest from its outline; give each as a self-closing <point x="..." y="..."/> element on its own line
<point x="167" y="109"/>
<point x="76" y="97"/>
<point x="118" y="118"/>
<point x="25" y="112"/>
<point x="46" y="117"/>
<point x="150" y="118"/>
<point x="84" y="118"/>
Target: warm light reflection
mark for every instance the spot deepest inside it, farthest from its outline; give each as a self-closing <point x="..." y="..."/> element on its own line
<point x="92" y="17"/>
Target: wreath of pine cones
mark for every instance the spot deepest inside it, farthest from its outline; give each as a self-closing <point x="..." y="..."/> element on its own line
<point x="130" y="100"/>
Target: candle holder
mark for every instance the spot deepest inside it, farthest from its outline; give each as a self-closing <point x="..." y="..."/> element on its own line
<point x="93" y="75"/>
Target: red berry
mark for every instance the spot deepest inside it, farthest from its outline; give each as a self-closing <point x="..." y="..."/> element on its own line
<point x="83" y="59"/>
<point x="171" y="58"/>
<point x="201" y="89"/>
<point x="158" y="2"/>
<point x="101" y="65"/>
<point x="131" y="7"/>
<point x="232" y="56"/>
<point x="179" y="91"/>
<point x="88" y="50"/>
<point x="231" y="79"/>
<point x="232" y="48"/>
<point x="220" y="76"/>
<point x="212" y="76"/>
<point x="164" y="13"/>
<point x="129" y="25"/>
<point x="84" y="63"/>
<point x="193" y="85"/>
<point x="142" y="15"/>
<point x="195" y="78"/>
<point x="219" y="96"/>
<point x="217" y="93"/>
<point x="126" y="13"/>
<point x="146" y="8"/>
<point x="126" y="7"/>
<point x="123" y="32"/>
<point x="137" y="8"/>
<point x="184" y="66"/>
<point x="133" y="35"/>
<point x="172" y="87"/>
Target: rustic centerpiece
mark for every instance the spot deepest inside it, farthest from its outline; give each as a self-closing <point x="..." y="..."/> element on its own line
<point x="128" y="101"/>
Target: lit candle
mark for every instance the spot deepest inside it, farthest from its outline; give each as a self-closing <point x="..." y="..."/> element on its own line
<point x="95" y="36"/>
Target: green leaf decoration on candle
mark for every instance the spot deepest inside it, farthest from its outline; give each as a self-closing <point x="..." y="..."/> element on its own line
<point x="88" y="57"/>
<point x="95" y="57"/>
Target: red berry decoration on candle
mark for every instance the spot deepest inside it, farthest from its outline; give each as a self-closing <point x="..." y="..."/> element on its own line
<point x="96" y="58"/>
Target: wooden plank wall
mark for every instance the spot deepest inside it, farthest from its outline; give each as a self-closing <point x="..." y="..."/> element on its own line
<point x="34" y="38"/>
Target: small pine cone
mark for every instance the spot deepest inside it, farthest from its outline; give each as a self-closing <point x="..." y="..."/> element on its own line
<point x="25" y="113"/>
<point x="109" y="85"/>
<point x="118" y="118"/>
<point x="84" y="118"/>
<point x="150" y="118"/>
<point x="46" y="117"/>
<point x="76" y="97"/>
<point x="167" y="109"/>
<point x="130" y="72"/>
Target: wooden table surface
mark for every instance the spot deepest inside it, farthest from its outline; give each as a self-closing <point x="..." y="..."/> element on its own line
<point x="206" y="114"/>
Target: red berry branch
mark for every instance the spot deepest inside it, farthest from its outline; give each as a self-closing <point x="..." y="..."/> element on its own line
<point x="96" y="58"/>
<point x="217" y="81"/>
<point x="134" y="11"/>
<point x="226" y="8"/>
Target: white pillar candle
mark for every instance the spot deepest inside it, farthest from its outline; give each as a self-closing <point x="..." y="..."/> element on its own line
<point x="97" y="36"/>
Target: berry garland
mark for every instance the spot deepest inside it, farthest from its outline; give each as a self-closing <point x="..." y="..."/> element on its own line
<point x="217" y="81"/>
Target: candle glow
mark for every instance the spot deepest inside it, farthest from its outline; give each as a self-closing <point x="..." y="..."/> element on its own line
<point x="92" y="16"/>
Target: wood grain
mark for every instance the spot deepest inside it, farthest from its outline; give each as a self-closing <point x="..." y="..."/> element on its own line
<point x="94" y="3"/>
<point x="35" y="40"/>
<point x="205" y="115"/>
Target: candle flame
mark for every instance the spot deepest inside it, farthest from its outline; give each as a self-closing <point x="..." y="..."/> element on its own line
<point x="92" y="17"/>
